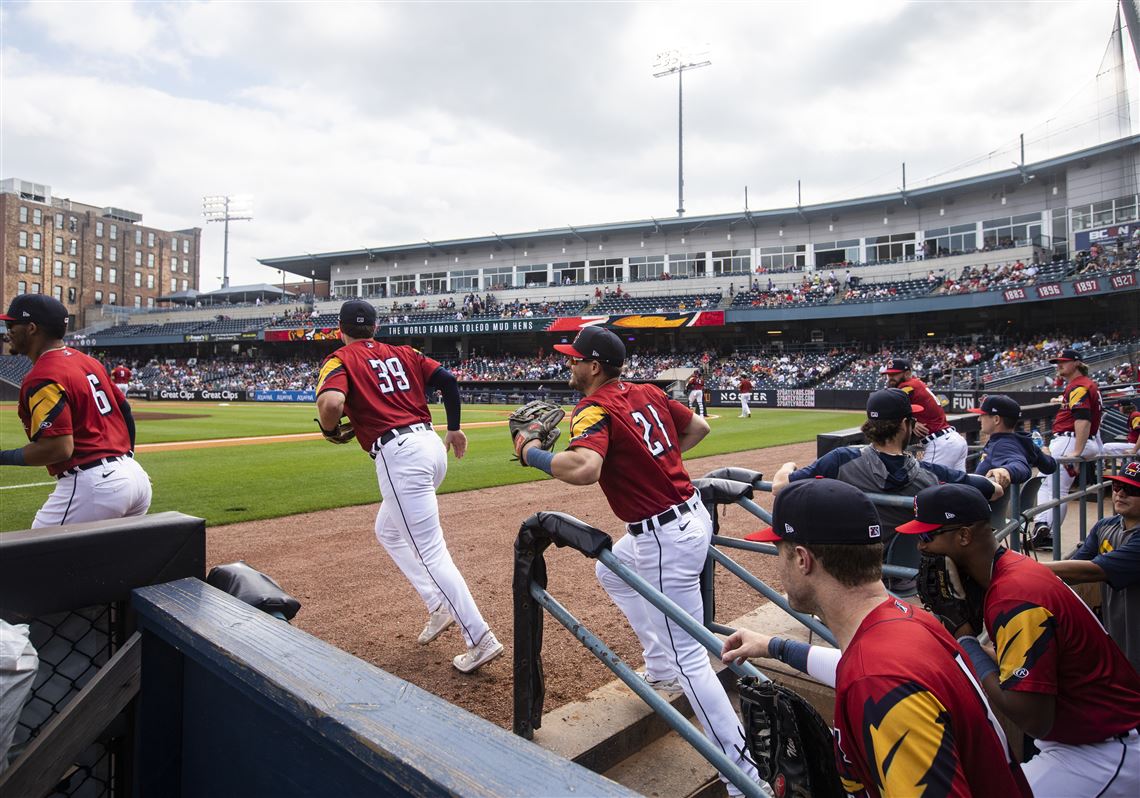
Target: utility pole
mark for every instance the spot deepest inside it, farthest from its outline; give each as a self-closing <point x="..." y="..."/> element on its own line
<point x="671" y="62"/>
<point x="226" y="209"/>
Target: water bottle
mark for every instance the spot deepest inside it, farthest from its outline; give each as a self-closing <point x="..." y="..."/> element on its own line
<point x="1038" y="441"/>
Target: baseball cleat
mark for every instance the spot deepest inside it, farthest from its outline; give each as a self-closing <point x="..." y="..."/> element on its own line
<point x="437" y="622"/>
<point x="478" y="656"/>
<point x="664" y="685"/>
<point x="1041" y="540"/>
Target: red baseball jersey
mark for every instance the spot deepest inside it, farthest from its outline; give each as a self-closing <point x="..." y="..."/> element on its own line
<point x="745" y="386"/>
<point x="384" y="386"/>
<point x="1134" y="426"/>
<point x="932" y="415"/>
<point x="120" y="375"/>
<point x="634" y="428"/>
<point x="911" y="719"/>
<point x="695" y="383"/>
<point x="1081" y="399"/>
<point x="1048" y="641"/>
<point x="69" y="393"/>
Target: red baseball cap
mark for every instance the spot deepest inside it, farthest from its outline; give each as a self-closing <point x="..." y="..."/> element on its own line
<point x="1129" y="476"/>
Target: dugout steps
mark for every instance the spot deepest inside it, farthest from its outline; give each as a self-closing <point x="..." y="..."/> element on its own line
<point x="613" y="732"/>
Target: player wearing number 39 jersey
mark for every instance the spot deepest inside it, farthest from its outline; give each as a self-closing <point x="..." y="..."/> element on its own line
<point x="78" y="423"/>
<point x="383" y="391"/>
<point x="629" y="438"/>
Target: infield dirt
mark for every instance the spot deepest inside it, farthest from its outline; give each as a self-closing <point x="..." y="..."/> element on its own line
<point x="355" y="598"/>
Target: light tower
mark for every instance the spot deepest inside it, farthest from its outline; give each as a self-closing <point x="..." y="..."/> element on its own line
<point x="672" y="62"/>
<point x="226" y="209"/>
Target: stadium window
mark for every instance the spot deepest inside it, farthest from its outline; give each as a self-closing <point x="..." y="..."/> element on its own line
<point x="150" y="281"/>
<point x="533" y="274"/>
<point x="150" y="260"/>
<point x="465" y="280"/>
<point x="72" y="269"/>
<point x="574" y="270"/>
<point x="37" y="216"/>
<point x="73" y="247"/>
<point x="150" y="302"/>
<point x="150" y="239"/>
<point x="98" y="252"/>
<point x="342" y="288"/>
<point x="22" y="238"/>
<point x="71" y="294"/>
<point x="138" y="279"/>
<point x="112" y="298"/>
<point x="98" y="297"/>
<point x="36" y="263"/>
<point x="57" y="293"/>
<point x="403" y="285"/>
<point x="687" y="265"/>
<point x="112" y="275"/>
<point x="185" y="285"/>
<point x="22" y="263"/>
<point x="138" y="301"/>
<point x="830" y="252"/>
<point x="646" y="267"/>
<point x="59" y="221"/>
<point x="57" y="245"/>
<point x="72" y="224"/>
<point x="1012" y="231"/>
<point x="496" y="278"/>
<point x="36" y="288"/>
<point x="98" y="274"/>
<point x="21" y="287"/>
<point x="186" y="265"/>
<point x="138" y="238"/>
<point x="606" y="270"/>
<point x="185" y="246"/>
<point x="57" y="269"/>
<point x="898" y="246"/>
<point x="24" y="214"/>
<point x="732" y="261"/>
<point x="114" y="254"/>
<point x="173" y="244"/>
<point x="174" y="264"/>
<point x="37" y="241"/>
<point x="99" y="229"/>
<point x="783" y="258"/>
<point x="138" y="257"/>
<point x="173" y="285"/>
<point x="114" y="232"/>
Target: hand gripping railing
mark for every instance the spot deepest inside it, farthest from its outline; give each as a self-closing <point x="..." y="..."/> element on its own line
<point x="1083" y="489"/>
<point x="531" y="598"/>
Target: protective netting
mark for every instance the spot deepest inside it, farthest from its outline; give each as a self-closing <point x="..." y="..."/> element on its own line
<point x="72" y="647"/>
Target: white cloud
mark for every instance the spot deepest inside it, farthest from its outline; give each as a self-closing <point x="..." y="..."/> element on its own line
<point x="356" y="124"/>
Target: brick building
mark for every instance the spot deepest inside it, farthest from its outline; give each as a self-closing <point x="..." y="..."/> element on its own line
<point x="93" y="259"/>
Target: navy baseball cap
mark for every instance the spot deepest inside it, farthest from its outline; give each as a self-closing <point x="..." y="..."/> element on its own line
<point x="1130" y="475"/>
<point x="890" y="404"/>
<point x="357" y="311"/>
<point x="998" y="405"/>
<point x="1066" y="356"/>
<point x="595" y="343"/>
<point x="897" y="366"/>
<point x="946" y="505"/>
<point x="822" y="511"/>
<point x="37" y="308"/>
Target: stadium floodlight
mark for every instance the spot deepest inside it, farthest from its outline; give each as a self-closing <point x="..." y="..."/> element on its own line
<point x="673" y="62"/>
<point x="226" y="209"/>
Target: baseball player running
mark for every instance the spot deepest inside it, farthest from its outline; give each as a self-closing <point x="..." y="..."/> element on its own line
<point x="382" y="390"/>
<point x="121" y="376"/>
<point x="744" y="391"/>
<point x="78" y="423"/>
<point x="1057" y="674"/>
<point x="629" y="438"/>
<point x="1132" y="445"/>
<point x="942" y="444"/>
<point x="1075" y="429"/>
<point x="910" y="719"/>
<point x="696" y="390"/>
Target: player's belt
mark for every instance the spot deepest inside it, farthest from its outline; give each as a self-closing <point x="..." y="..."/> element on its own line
<point x="939" y="434"/>
<point x="396" y="432"/>
<point x="1066" y="434"/>
<point x="93" y="464"/>
<point x="670" y="515"/>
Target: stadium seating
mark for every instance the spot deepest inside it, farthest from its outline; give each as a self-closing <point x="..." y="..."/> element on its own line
<point x="671" y="303"/>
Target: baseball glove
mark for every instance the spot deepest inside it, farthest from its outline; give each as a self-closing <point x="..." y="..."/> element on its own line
<point x="341" y="433"/>
<point x="789" y="741"/>
<point x="535" y="421"/>
<point x="950" y="596"/>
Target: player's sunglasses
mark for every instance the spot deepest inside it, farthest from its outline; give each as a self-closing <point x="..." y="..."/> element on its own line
<point x="1127" y="490"/>
<point x="926" y="537"/>
<point x="574" y="361"/>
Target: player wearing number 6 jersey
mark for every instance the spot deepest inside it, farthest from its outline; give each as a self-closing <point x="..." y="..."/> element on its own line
<point x="629" y="438"/>
<point x="383" y="391"/>
<point x="78" y="423"/>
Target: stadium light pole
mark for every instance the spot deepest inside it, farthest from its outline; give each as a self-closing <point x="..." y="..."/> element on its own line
<point x="671" y="62"/>
<point x="226" y="209"/>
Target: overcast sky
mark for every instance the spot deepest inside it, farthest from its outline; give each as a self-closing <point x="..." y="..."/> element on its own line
<point x="361" y="124"/>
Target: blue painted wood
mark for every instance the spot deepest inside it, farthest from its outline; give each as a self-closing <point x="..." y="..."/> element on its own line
<point x="269" y="709"/>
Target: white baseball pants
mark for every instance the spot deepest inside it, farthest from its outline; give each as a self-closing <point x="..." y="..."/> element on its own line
<point x="115" y="489"/>
<point x="670" y="558"/>
<point x="948" y="450"/>
<point x="1061" y="445"/>
<point x="1118" y="448"/>
<point x="744" y="409"/>
<point x="697" y="401"/>
<point x="1110" y="769"/>
<point x="409" y="468"/>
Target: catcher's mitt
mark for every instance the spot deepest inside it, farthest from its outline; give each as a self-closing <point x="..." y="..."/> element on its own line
<point x="952" y="597"/>
<point x="789" y="741"/>
<point x="535" y="421"/>
<point x="341" y="433"/>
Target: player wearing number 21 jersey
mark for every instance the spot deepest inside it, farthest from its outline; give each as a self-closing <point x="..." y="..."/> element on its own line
<point x="629" y="438"/>
<point x="78" y="423"/>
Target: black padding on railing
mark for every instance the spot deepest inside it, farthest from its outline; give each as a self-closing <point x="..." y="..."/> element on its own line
<point x="722" y="491"/>
<point x="753" y="478"/>
<point x="253" y="587"/>
<point x="535" y="535"/>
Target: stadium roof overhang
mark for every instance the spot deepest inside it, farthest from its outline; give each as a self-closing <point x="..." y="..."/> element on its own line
<point x="319" y="266"/>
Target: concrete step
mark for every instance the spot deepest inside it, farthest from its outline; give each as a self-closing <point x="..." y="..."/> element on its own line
<point x="668" y="768"/>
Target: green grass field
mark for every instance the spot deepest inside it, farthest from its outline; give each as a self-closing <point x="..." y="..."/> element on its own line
<point x="268" y="480"/>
